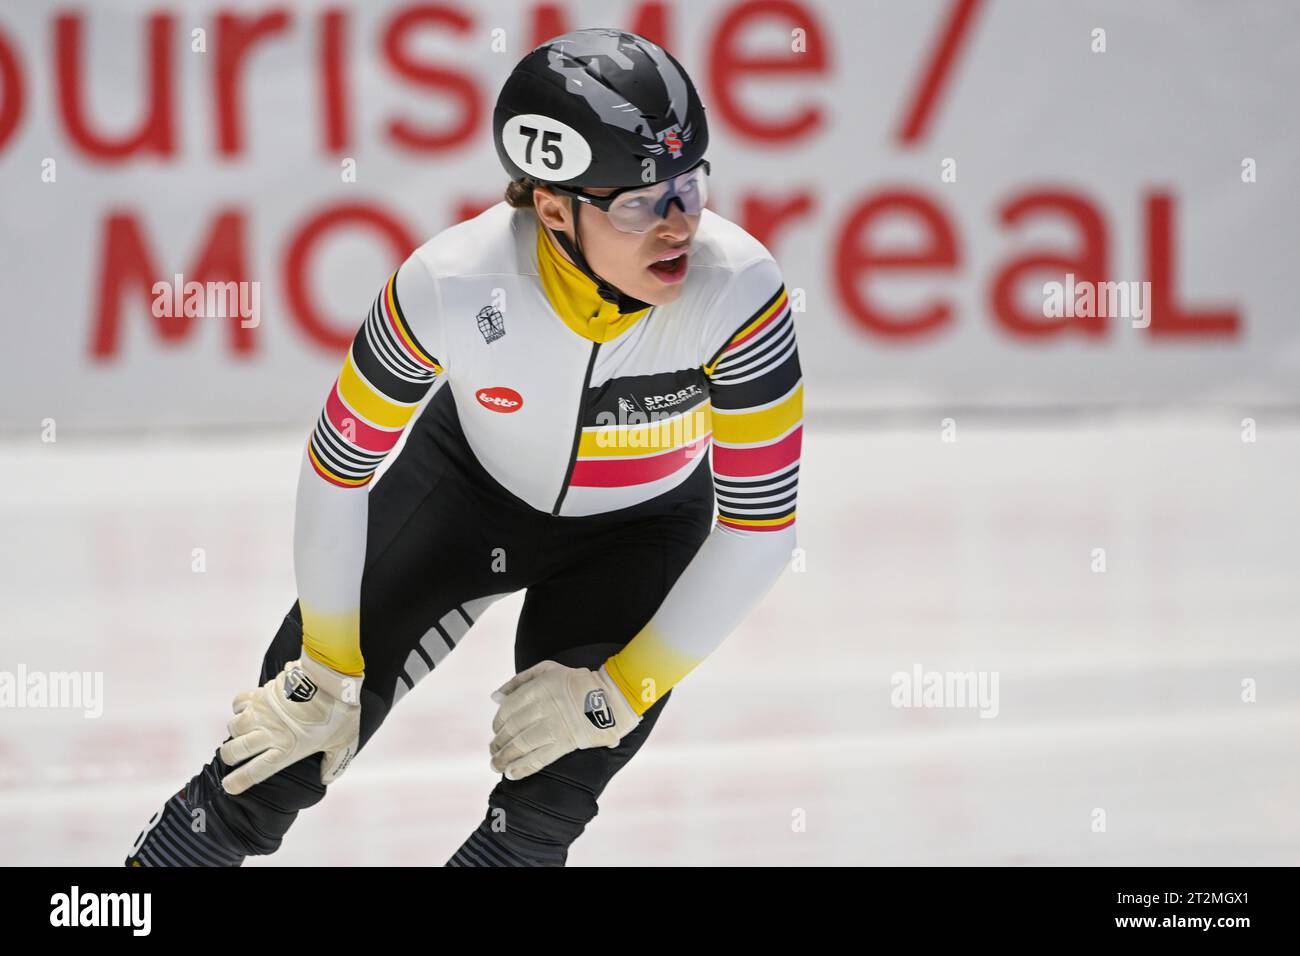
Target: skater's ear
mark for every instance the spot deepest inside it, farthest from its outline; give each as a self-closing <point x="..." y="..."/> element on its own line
<point x="552" y="209"/>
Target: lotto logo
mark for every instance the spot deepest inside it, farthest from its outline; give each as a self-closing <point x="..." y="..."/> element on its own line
<point x="500" y="399"/>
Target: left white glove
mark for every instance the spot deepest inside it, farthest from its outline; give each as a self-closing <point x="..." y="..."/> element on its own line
<point x="550" y="710"/>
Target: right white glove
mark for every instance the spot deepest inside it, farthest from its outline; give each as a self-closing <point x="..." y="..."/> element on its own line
<point x="551" y="710"/>
<point x="305" y="709"/>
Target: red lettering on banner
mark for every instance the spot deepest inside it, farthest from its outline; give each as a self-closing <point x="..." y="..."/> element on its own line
<point x="728" y="67"/>
<point x="126" y="265"/>
<point x="11" y="84"/>
<point x="1167" y="317"/>
<point x="155" y="133"/>
<point x="449" y="103"/>
<point x="650" y="21"/>
<point x="763" y="217"/>
<point x="334" y="337"/>
<point x="1088" y="264"/>
<point x="856" y="259"/>
<point x="459" y="85"/>
<point x="919" y="114"/>
<point x="469" y="208"/>
<point x="236" y="37"/>
<point x="334" y="26"/>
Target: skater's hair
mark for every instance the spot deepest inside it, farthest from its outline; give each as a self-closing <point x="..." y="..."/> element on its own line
<point x="519" y="193"/>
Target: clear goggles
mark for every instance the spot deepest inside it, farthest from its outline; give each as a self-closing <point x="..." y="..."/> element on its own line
<point x="638" y="209"/>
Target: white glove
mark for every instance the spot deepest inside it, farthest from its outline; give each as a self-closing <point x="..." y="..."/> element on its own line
<point x="307" y="708"/>
<point x="550" y="710"/>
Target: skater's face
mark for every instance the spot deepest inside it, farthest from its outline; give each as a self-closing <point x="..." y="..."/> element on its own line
<point x="649" y="266"/>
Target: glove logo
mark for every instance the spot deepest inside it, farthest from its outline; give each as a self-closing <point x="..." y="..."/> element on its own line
<point x="597" y="710"/>
<point x="298" y="686"/>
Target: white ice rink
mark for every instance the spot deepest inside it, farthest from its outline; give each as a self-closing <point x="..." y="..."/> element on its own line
<point x="1119" y="691"/>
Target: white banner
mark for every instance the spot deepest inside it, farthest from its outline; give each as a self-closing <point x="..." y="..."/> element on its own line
<point x="919" y="169"/>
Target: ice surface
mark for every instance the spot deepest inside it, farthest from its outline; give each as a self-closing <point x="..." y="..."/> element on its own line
<point x="1119" y="691"/>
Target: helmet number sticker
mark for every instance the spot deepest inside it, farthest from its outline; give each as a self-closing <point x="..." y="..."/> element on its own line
<point x="546" y="148"/>
<point x="553" y="159"/>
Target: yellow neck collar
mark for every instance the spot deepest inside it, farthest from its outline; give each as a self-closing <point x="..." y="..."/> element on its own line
<point x="574" y="295"/>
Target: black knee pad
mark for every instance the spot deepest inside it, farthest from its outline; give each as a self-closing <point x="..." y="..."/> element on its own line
<point x="530" y="822"/>
<point x="534" y="821"/>
<point x="262" y="814"/>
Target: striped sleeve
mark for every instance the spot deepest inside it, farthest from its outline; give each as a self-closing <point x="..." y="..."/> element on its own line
<point x="756" y="389"/>
<point x="389" y="368"/>
<point x="385" y="376"/>
<point x="756" y="392"/>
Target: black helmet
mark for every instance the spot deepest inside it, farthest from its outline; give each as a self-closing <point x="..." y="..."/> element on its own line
<point x="598" y="108"/>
